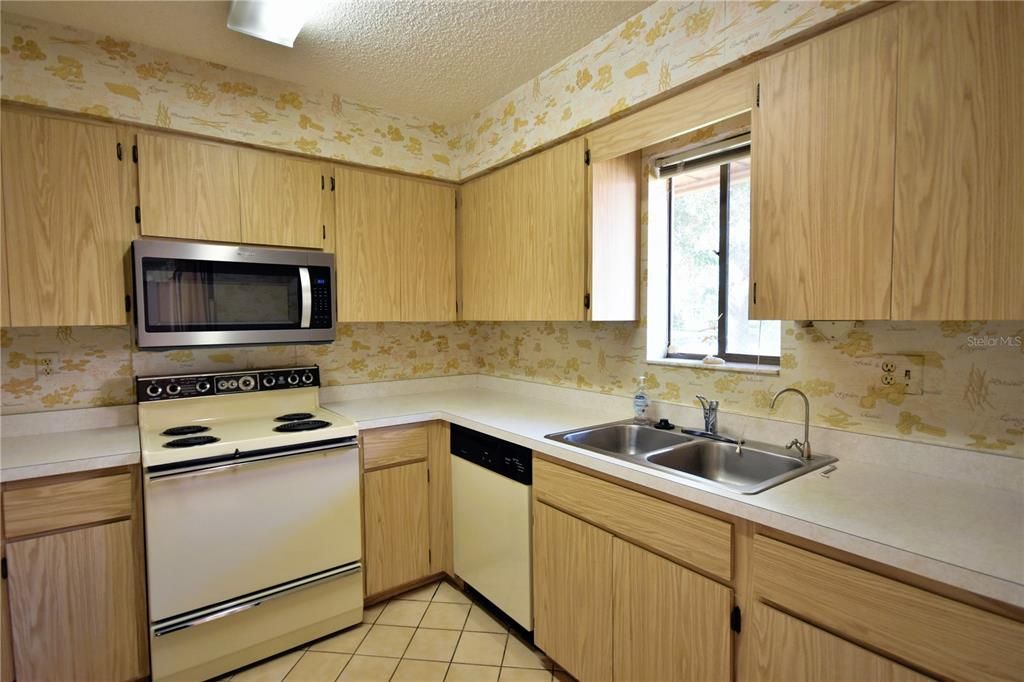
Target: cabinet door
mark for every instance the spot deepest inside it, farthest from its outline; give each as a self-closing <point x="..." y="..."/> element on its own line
<point x="670" y="623"/>
<point x="281" y="200"/>
<point x="572" y="592"/>
<point x="823" y="139"/>
<point x="395" y="514"/>
<point x="785" y="649"/>
<point x="959" y="233"/>
<point x="524" y="239"/>
<point x="6" y="652"/>
<point x="77" y="605"/>
<point x="67" y="223"/>
<point x="188" y="189"/>
<point x="395" y="241"/>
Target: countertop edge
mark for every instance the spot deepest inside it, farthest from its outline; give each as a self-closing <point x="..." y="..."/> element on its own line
<point x="73" y="466"/>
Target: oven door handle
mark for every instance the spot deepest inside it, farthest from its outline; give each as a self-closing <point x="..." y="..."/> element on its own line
<point x="213" y="468"/>
<point x="306" y="297"/>
<point x="205" y="616"/>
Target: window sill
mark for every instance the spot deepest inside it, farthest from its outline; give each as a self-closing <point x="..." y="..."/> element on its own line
<point x="742" y="367"/>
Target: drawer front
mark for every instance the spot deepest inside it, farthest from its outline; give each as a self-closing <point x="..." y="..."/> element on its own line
<point x="939" y="635"/>
<point x="689" y="537"/>
<point x="395" y="445"/>
<point x="53" y="506"/>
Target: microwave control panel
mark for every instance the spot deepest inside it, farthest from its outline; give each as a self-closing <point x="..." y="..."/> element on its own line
<point x="320" y="293"/>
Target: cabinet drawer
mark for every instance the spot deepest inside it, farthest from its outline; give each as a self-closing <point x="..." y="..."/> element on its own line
<point x="64" y="504"/>
<point x="396" y="445"/>
<point x="679" y="533"/>
<point x="941" y="636"/>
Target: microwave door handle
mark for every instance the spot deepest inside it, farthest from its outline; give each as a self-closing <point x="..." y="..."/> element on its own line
<point x="307" y="297"/>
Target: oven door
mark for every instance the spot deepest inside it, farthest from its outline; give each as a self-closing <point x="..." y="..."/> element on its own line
<point x="198" y="294"/>
<point x="225" y="531"/>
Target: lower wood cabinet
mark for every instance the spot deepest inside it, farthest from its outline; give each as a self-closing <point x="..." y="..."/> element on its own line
<point x="77" y="587"/>
<point x="406" y="505"/>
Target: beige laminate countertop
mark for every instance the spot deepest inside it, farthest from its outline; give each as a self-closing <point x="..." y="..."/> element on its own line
<point x="960" y="533"/>
<point x="65" y="452"/>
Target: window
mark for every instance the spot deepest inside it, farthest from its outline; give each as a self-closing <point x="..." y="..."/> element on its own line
<point x="708" y="257"/>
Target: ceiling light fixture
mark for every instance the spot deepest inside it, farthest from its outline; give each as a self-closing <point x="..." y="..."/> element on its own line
<point x="277" y="21"/>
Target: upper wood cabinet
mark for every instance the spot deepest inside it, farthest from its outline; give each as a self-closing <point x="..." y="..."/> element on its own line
<point x="959" y="232"/>
<point x="395" y="246"/>
<point x="281" y="200"/>
<point x="188" y="188"/>
<point x="823" y="139"/>
<point x="67" y="220"/>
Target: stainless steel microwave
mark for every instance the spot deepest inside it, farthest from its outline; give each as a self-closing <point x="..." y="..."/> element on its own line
<point x="200" y="294"/>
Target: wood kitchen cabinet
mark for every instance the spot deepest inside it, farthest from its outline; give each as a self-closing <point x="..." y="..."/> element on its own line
<point x="958" y="247"/>
<point x="188" y="188"/>
<point x="407" y="525"/>
<point x="280" y="199"/>
<point x="395" y="244"/>
<point x="67" y="220"/>
<point x="822" y="146"/>
<point x="76" y="580"/>
<point x="532" y="243"/>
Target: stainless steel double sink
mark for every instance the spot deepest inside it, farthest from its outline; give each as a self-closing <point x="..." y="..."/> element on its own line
<point x="741" y="467"/>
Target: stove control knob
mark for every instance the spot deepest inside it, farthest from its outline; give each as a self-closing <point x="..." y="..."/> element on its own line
<point x="232" y="383"/>
<point x="153" y="390"/>
<point x="222" y="385"/>
<point x="246" y="383"/>
<point x="173" y="389"/>
<point x="202" y="386"/>
<point x="307" y="378"/>
<point x="293" y="379"/>
<point x="268" y="381"/>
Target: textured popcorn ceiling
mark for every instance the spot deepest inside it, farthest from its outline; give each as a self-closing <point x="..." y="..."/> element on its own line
<point x="439" y="59"/>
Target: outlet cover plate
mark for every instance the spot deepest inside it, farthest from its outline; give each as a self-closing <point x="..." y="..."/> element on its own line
<point x="906" y="369"/>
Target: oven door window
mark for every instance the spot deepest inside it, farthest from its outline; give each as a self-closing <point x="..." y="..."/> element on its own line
<point x="190" y="295"/>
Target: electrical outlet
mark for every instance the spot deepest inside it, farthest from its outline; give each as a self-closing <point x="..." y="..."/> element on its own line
<point x="903" y="370"/>
<point x="46" y="364"/>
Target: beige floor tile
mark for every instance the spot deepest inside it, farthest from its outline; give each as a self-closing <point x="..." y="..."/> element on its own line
<point x="273" y="670"/>
<point x="447" y="593"/>
<point x="524" y="675"/>
<point x="433" y="645"/>
<point x="318" y="666"/>
<point x="462" y="672"/>
<point x="344" y="642"/>
<point x="442" y="616"/>
<point x="386" y="640"/>
<point x="481" y="621"/>
<point x="402" y="612"/>
<point x="419" y="671"/>
<point x="369" y="669"/>
<point x="425" y="593"/>
<point x="370" y="613"/>
<point x="520" y="655"/>
<point x="482" y="648"/>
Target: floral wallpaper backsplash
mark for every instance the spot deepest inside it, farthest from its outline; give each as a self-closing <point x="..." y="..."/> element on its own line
<point x="973" y="374"/>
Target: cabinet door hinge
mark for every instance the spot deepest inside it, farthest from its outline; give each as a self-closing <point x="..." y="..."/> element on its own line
<point x="430" y="556"/>
<point x="325" y="231"/>
<point x="586" y="301"/>
<point x="736" y="619"/>
<point x="755" y="293"/>
<point x="127" y="303"/>
<point x="332" y="184"/>
<point x="428" y="475"/>
<point x="322" y="184"/>
<point x="3" y="568"/>
<point x="586" y="157"/>
<point x="120" y="155"/>
<point x="138" y="215"/>
<point x="757" y="96"/>
<point x="135" y="153"/>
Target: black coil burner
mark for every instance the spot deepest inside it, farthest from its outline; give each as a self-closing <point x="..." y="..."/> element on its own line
<point x="184" y="430"/>
<point x="190" y="442"/>
<point x="307" y="425"/>
<point x="294" y="417"/>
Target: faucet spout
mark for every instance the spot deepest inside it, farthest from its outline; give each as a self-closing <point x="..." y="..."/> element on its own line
<point x="803" y="448"/>
<point x="710" y="408"/>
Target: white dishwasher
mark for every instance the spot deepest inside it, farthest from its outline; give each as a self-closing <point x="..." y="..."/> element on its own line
<point x="491" y="481"/>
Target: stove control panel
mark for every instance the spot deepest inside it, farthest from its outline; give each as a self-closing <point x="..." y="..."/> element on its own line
<point x="150" y="389"/>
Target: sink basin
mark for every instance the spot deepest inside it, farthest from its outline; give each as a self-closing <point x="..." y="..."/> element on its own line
<point x="622" y="439"/>
<point x="748" y="468"/>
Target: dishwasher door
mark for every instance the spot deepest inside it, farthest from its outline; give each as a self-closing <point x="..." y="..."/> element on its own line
<point x="491" y="533"/>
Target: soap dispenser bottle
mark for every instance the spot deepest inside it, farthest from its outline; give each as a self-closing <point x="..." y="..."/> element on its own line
<point x="641" y="402"/>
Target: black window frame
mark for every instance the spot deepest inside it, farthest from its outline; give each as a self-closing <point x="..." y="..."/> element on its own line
<point x="723" y="264"/>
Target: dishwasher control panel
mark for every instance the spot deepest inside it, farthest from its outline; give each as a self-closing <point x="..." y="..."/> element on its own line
<point x="508" y="459"/>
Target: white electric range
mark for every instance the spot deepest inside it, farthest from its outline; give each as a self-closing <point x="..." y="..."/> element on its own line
<point x="253" y="542"/>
